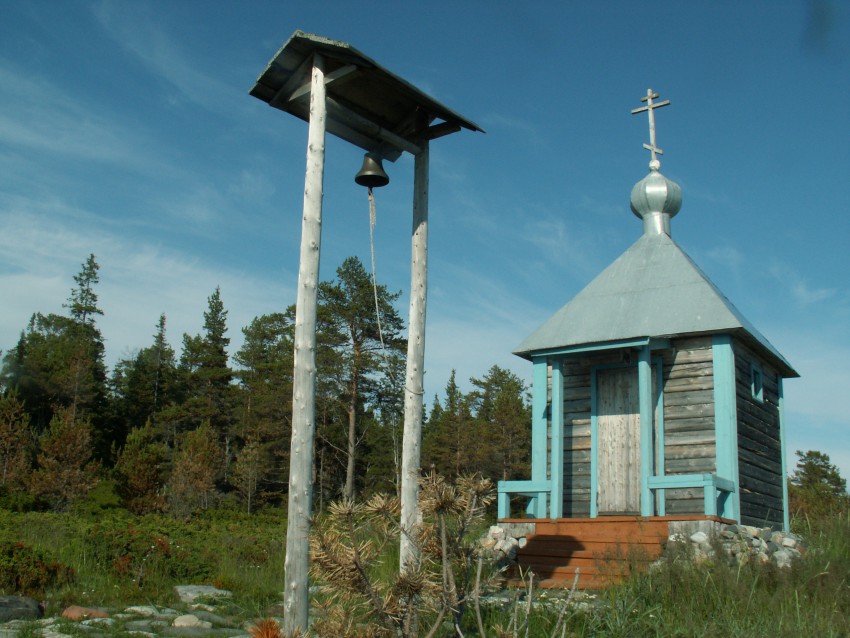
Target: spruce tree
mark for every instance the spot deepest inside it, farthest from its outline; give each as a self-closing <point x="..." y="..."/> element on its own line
<point x="59" y="363"/>
<point x="205" y="376"/>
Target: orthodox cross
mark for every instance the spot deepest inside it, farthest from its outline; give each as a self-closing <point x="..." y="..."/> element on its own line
<point x="650" y="108"/>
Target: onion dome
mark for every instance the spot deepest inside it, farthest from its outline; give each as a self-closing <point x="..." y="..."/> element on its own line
<point x="655" y="199"/>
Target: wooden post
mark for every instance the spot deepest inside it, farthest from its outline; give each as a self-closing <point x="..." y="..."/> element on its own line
<point x="296" y="588"/>
<point x="414" y="379"/>
<point x="647" y="449"/>
<point x="539" y="434"/>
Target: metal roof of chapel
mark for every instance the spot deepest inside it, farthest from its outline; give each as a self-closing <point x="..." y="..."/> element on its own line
<point x="654" y="289"/>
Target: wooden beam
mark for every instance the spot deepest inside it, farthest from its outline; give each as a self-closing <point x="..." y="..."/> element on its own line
<point x="301" y="76"/>
<point x="340" y="113"/>
<point x="414" y="389"/>
<point x="442" y="129"/>
<point x="297" y="563"/>
<point x="330" y="78"/>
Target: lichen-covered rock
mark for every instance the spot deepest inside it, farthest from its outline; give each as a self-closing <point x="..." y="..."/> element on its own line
<point x="191" y="593"/>
<point x="191" y="620"/>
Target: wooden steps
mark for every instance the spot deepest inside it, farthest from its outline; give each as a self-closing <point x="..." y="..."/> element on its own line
<point x="605" y="550"/>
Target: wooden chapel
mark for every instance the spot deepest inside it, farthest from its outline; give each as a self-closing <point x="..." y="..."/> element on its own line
<point x="654" y="400"/>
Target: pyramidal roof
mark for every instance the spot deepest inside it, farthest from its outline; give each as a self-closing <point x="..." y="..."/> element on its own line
<point x="654" y="289"/>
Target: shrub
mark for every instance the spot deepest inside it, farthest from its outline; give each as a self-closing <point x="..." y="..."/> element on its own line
<point x="27" y="571"/>
<point x="149" y="548"/>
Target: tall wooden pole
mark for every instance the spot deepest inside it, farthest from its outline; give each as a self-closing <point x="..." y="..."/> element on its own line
<point x="414" y="379"/>
<point x="296" y="589"/>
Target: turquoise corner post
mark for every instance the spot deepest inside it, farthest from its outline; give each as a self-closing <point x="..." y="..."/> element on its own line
<point x="557" y="469"/>
<point x="539" y="435"/>
<point x="726" y="421"/>
<point x="647" y="408"/>
<point x="786" y="513"/>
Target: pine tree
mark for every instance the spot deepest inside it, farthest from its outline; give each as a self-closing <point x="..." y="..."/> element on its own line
<point x="450" y="441"/>
<point x="503" y="416"/>
<point x="143" y="385"/>
<point x="16" y="444"/>
<point x="248" y="472"/>
<point x="140" y="471"/>
<point x="358" y="332"/>
<point x="65" y="471"/>
<point x="264" y="400"/>
<point x="59" y="362"/>
<point x="817" y="488"/>
<point x="196" y="468"/>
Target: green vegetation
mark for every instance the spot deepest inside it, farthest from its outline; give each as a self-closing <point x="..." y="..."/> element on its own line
<point x="184" y="432"/>
<point x="116" y="487"/>
<point x="116" y="558"/>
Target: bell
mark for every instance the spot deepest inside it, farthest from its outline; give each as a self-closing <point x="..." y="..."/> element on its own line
<point x="372" y="173"/>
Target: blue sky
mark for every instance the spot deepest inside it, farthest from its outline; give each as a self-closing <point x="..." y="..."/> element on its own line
<point x="127" y="131"/>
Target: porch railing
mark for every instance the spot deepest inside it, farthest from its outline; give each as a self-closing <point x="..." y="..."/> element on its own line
<point x="537" y="492"/>
<point x="716" y="492"/>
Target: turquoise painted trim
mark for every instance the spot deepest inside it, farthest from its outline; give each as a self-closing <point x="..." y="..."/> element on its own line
<point x="726" y="420"/>
<point x="602" y="345"/>
<point x="534" y="490"/>
<point x="786" y="513"/>
<point x="594" y="446"/>
<point x="557" y="464"/>
<point x="710" y="483"/>
<point x="660" y="504"/>
<point x="647" y="407"/>
<point x="539" y="434"/>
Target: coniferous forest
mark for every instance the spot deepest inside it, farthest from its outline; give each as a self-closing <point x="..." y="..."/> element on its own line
<point x="185" y="427"/>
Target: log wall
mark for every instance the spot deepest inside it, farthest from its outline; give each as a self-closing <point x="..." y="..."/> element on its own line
<point x="759" y="442"/>
<point x="688" y="412"/>
<point x="576" y="373"/>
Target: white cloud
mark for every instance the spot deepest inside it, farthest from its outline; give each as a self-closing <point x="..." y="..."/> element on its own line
<point x="801" y="291"/>
<point x="138" y="281"/>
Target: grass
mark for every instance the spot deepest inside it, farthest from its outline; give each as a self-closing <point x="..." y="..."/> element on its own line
<point x="121" y="560"/>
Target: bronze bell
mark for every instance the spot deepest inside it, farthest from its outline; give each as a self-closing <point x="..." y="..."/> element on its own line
<point x="372" y="173"/>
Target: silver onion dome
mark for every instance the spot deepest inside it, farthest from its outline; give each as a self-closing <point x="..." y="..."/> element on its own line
<point x="655" y="199"/>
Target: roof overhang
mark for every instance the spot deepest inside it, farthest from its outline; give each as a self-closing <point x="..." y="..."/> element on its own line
<point x="368" y="105"/>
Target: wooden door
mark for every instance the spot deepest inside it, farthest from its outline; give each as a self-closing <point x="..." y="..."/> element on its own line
<point x="618" y="441"/>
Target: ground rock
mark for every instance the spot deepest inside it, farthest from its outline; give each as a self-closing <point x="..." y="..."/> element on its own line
<point x="201" y="632"/>
<point x="142" y="610"/>
<point x="208" y="616"/>
<point x="191" y="620"/>
<point x="19" y="608"/>
<point x="143" y="626"/>
<point x="191" y="593"/>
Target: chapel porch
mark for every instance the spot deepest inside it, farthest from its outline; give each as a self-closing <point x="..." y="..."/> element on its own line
<point x="605" y="549"/>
